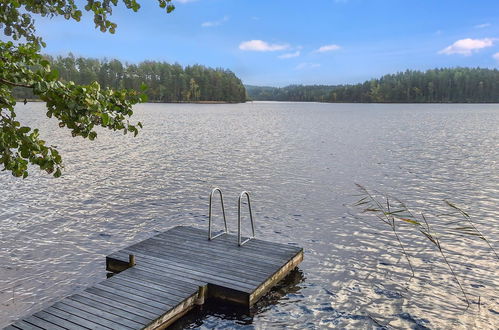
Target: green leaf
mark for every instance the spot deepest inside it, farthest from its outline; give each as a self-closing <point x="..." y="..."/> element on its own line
<point x="105" y="119"/>
<point x="92" y="135"/>
<point x="24" y="130"/>
<point x="53" y="74"/>
<point x="414" y="222"/>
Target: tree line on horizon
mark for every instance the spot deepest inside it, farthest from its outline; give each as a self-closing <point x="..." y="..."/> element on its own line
<point x="165" y="82"/>
<point x="448" y="85"/>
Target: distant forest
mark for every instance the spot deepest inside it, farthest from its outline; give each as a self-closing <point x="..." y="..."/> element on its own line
<point x="174" y="83"/>
<point x="165" y="82"/>
<point x="459" y="85"/>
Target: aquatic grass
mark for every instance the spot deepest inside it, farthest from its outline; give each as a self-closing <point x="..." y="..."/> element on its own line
<point x="391" y="211"/>
<point x="433" y="237"/>
<point x="386" y="214"/>
<point x="469" y="229"/>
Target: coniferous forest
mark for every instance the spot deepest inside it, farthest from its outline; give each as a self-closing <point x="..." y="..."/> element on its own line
<point x="165" y="82"/>
<point x="454" y="85"/>
<point x="197" y="83"/>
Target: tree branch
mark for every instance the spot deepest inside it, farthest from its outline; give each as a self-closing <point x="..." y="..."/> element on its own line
<point x="14" y="84"/>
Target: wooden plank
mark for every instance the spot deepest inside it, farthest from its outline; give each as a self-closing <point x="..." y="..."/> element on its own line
<point x="88" y="316"/>
<point x="255" y="263"/>
<point x="270" y="255"/>
<point x="103" y="313"/>
<point x="138" y="299"/>
<point x="225" y="273"/>
<point x="179" y="283"/>
<point x="171" y="275"/>
<point x="146" y="289"/>
<point x="25" y="325"/>
<point x="146" y="292"/>
<point x="10" y="327"/>
<point x="59" y="321"/>
<point x="235" y="255"/>
<point x="143" y="314"/>
<point x="205" y="272"/>
<point x="200" y="250"/>
<point x="229" y="265"/>
<point x="204" y="232"/>
<point x="197" y="247"/>
<point x="230" y="238"/>
<point x="154" y="286"/>
<point x="148" y="257"/>
<point x="74" y="318"/>
<point x="217" y="244"/>
<point x="125" y="300"/>
<point x="187" y="276"/>
<point x="41" y="323"/>
<point x="208" y="260"/>
<point x="154" y="277"/>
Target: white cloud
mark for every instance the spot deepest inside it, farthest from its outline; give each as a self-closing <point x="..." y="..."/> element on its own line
<point x="482" y="26"/>
<point x="290" y="55"/>
<point x="467" y="46"/>
<point x="261" y="46"/>
<point x="307" y="65"/>
<point x="327" y="48"/>
<point x="215" y="23"/>
<point x="496" y="56"/>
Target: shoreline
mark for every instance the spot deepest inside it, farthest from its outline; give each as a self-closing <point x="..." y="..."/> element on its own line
<point x="285" y="101"/>
<point x="178" y="102"/>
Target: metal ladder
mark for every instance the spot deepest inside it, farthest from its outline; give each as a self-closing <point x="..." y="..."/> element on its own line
<point x="223" y="212"/>
<point x="239" y="237"/>
<point x="239" y="219"/>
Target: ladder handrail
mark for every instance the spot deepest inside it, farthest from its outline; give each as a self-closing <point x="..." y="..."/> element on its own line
<point x="210" y="215"/>
<point x="239" y="219"/>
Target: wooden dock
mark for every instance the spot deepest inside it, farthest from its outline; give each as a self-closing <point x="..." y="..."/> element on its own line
<point x="172" y="272"/>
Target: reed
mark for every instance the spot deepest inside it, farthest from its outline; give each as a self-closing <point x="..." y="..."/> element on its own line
<point x="393" y="212"/>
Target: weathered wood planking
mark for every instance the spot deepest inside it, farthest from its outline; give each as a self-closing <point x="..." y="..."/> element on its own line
<point x="172" y="272"/>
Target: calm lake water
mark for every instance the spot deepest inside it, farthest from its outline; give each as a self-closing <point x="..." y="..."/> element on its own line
<point x="300" y="162"/>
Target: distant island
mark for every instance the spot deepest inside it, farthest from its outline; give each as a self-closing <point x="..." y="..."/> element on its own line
<point x="165" y="82"/>
<point x="452" y="85"/>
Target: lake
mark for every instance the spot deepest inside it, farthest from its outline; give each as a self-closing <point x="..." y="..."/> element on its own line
<point x="300" y="161"/>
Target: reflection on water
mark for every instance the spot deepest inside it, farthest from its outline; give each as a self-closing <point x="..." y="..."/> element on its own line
<point x="214" y="314"/>
<point x="301" y="162"/>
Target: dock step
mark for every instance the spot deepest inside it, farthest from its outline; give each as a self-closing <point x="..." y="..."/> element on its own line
<point x="171" y="273"/>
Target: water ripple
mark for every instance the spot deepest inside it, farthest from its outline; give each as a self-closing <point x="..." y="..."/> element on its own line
<point x="300" y="161"/>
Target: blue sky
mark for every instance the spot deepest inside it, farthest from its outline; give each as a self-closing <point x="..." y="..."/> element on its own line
<point x="276" y="42"/>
